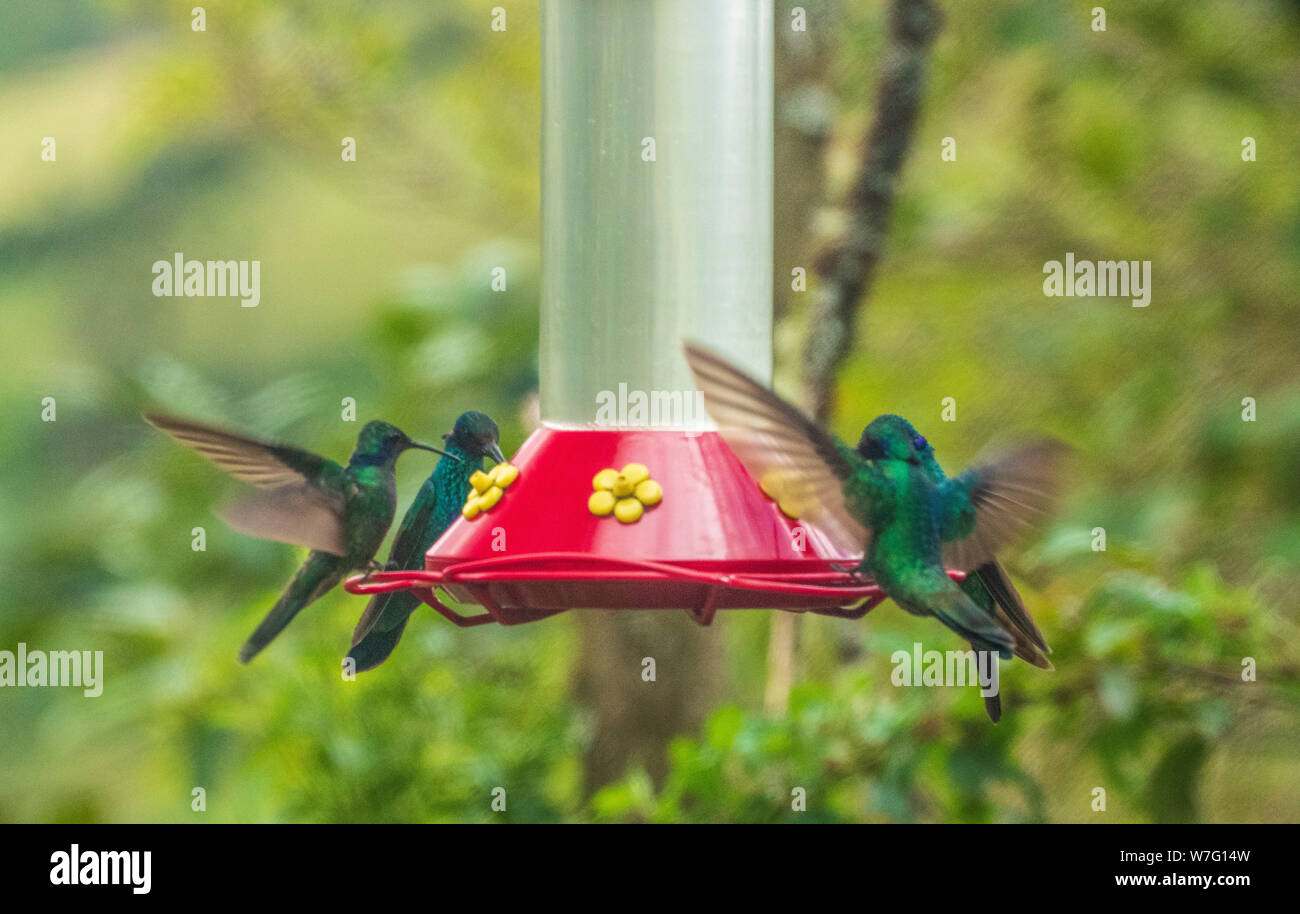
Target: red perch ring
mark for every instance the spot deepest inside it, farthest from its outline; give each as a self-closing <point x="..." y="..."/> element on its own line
<point x="713" y="541"/>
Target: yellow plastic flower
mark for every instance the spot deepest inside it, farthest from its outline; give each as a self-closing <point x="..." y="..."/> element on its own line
<point x="624" y="493"/>
<point x="776" y="485"/>
<point x="486" y="489"/>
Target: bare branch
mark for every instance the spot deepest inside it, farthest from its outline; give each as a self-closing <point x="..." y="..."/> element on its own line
<point x="848" y="267"/>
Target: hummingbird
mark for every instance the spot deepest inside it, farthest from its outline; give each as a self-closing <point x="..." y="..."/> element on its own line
<point x="341" y="513"/>
<point x="436" y="505"/>
<point x="991" y="590"/>
<point x="882" y="499"/>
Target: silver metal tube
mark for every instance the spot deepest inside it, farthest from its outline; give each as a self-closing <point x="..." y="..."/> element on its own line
<point x="638" y="254"/>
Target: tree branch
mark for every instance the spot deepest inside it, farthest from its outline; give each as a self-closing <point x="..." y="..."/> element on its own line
<point x="848" y="267"/>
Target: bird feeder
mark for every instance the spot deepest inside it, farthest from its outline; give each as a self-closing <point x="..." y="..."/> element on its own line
<point x="656" y="227"/>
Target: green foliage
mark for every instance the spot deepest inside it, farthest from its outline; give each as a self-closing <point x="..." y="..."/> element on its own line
<point x="1152" y="683"/>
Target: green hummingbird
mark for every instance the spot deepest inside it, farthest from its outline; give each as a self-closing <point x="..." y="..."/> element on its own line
<point x="992" y="591"/>
<point x="436" y="505"/>
<point x="882" y="500"/>
<point x="341" y="513"/>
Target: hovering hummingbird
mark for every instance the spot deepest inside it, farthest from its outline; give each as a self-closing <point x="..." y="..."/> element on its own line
<point x="992" y="591"/>
<point x="438" y="503"/>
<point x="888" y="500"/>
<point x="339" y="512"/>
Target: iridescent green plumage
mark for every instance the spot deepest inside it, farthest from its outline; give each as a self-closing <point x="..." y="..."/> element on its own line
<point x="436" y="505"/>
<point x="884" y="501"/>
<point x="991" y="590"/>
<point x="909" y="516"/>
<point x="340" y="512"/>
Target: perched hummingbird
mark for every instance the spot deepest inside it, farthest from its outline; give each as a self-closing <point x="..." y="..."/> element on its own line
<point x="884" y="500"/>
<point x="340" y="513"/>
<point x="473" y="437"/>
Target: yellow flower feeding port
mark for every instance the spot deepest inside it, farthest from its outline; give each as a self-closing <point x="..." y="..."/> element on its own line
<point x="486" y="489"/>
<point x="625" y="494"/>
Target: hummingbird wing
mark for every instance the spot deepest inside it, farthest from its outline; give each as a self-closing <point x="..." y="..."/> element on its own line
<point x="408" y="546"/>
<point x="999" y="501"/>
<point x="774" y="440"/>
<point x="992" y="590"/>
<point x="300" y="515"/>
<point x="301" y="501"/>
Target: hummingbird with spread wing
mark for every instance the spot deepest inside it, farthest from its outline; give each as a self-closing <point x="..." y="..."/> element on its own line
<point x="887" y="500"/>
<point x="992" y="591"/>
<point x="436" y="505"/>
<point x="341" y="513"/>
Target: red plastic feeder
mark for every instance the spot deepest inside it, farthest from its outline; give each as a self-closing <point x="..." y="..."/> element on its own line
<point x="714" y="541"/>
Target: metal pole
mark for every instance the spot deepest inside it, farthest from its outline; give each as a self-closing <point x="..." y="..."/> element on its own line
<point x="656" y="194"/>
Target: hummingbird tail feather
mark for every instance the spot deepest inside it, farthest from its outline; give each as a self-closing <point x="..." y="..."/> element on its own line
<point x="376" y="647"/>
<point x="1025" y="649"/>
<point x="380" y="629"/>
<point x="1004" y="593"/>
<point x="993" y="705"/>
<point x="957" y="611"/>
<point x="317" y="575"/>
<point x="374" y="609"/>
<point x="994" y="593"/>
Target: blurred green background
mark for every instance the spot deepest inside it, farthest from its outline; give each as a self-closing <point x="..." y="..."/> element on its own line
<point x="226" y="143"/>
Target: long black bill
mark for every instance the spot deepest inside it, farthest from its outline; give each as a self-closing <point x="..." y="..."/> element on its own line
<point x="494" y="451"/>
<point x="430" y="447"/>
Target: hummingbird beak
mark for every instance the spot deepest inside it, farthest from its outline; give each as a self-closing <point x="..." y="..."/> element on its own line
<point x="494" y="451"/>
<point x="429" y="447"/>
